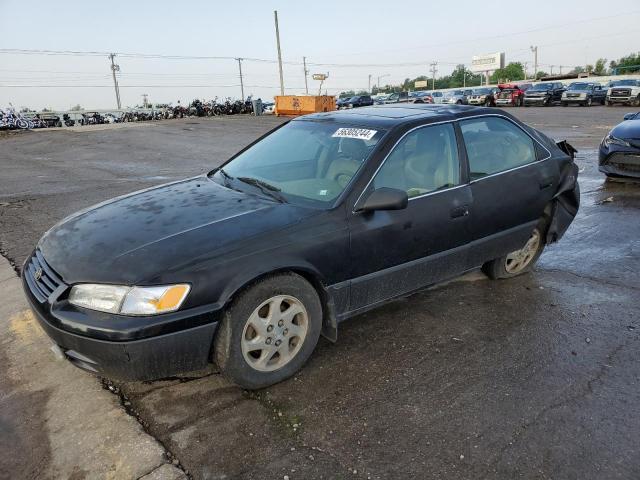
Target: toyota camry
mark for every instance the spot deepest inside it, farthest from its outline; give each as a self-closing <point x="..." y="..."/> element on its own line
<point x="325" y="217"/>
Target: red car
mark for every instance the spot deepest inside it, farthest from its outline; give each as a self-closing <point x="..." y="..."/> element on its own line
<point x="511" y="94"/>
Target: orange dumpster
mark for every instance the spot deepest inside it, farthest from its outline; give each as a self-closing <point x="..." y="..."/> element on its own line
<point x="304" y="104"/>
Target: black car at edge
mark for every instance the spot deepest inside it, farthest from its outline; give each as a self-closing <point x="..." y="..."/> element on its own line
<point x="619" y="154"/>
<point x="327" y="216"/>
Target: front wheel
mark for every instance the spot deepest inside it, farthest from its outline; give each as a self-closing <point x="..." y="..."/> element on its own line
<point x="518" y="262"/>
<point x="565" y="104"/>
<point x="589" y="102"/>
<point x="269" y="331"/>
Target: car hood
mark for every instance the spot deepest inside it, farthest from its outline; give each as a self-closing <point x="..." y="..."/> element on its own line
<point x="628" y="130"/>
<point x="139" y="237"/>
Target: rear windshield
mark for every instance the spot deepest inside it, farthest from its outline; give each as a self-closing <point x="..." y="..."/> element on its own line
<point x="304" y="162"/>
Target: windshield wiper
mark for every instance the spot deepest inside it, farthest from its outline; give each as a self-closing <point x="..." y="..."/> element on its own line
<point x="225" y="175"/>
<point x="265" y="187"/>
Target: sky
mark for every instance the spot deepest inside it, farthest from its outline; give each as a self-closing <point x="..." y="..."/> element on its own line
<point x="349" y="40"/>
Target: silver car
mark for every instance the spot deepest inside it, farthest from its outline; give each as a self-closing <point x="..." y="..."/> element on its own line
<point x="455" y="97"/>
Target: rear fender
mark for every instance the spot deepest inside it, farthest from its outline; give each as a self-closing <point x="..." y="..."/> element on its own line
<point x="566" y="201"/>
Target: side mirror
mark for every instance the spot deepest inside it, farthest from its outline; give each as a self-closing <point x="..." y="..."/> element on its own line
<point x="629" y="116"/>
<point x="384" y="198"/>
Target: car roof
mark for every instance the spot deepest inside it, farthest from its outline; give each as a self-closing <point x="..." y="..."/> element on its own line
<point x="389" y="116"/>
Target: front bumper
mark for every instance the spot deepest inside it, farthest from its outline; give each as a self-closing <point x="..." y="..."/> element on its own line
<point x="621" y="161"/>
<point x="574" y="99"/>
<point x="619" y="99"/>
<point x="535" y="100"/>
<point x="159" y="356"/>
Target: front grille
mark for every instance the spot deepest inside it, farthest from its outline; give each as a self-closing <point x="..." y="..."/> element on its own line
<point x="626" y="167"/>
<point x="620" y="92"/>
<point x="41" y="278"/>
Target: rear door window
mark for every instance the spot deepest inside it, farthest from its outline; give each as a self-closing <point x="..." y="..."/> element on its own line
<point x="495" y="145"/>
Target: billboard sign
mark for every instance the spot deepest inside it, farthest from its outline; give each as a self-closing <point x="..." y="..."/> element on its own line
<point x="486" y="63"/>
<point x="420" y="84"/>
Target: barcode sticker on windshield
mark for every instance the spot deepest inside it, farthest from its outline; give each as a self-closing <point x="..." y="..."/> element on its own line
<point x="361" y="133"/>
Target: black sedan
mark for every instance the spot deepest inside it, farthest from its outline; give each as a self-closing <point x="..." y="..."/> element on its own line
<point x="325" y="217"/>
<point x="619" y="154"/>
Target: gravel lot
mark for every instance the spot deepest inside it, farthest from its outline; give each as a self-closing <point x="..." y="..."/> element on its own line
<point x="535" y="377"/>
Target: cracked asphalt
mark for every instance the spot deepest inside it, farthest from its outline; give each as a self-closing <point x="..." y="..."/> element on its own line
<point x="534" y="377"/>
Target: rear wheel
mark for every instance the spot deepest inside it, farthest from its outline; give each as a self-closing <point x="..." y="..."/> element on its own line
<point x="565" y="104"/>
<point x="519" y="261"/>
<point x="269" y="331"/>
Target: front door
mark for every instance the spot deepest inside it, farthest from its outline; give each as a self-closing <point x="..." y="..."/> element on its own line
<point x="396" y="252"/>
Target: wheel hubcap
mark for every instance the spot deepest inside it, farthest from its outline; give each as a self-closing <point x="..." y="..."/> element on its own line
<point x="520" y="259"/>
<point x="274" y="333"/>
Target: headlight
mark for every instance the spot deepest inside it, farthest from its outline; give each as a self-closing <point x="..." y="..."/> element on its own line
<point x="129" y="300"/>
<point x="583" y="95"/>
<point x="611" y="140"/>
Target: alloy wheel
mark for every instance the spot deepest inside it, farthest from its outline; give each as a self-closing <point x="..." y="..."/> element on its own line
<point x="274" y="333"/>
<point x="520" y="259"/>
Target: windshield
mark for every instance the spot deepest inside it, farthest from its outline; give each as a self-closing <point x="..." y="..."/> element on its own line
<point x="482" y="91"/>
<point x="621" y="83"/>
<point x="304" y="162"/>
<point x="541" y="86"/>
<point x="579" y="86"/>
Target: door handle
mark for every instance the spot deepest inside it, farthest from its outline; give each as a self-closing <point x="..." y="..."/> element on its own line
<point x="458" y="212"/>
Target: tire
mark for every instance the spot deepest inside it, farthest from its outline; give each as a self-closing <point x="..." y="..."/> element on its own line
<point x="459" y="102"/>
<point x="565" y="104"/>
<point x="609" y="104"/>
<point x="589" y="102"/>
<point x="636" y="102"/>
<point x="504" y="267"/>
<point x="236" y="350"/>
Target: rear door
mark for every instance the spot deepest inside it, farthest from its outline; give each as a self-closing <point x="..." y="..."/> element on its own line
<point x="395" y="252"/>
<point x="512" y="179"/>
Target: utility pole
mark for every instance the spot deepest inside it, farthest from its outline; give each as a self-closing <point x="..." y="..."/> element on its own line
<point x="275" y="14"/>
<point x="241" y="82"/>
<point x="560" y="66"/>
<point x="526" y="64"/>
<point x="464" y="78"/>
<point x="535" y="60"/>
<point x="369" y="89"/>
<point x="306" y="74"/>
<point x="433" y="74"/>
<point x="115" y="68"/>
<point x="145" y="101"/>
<point x="551" y="69"/>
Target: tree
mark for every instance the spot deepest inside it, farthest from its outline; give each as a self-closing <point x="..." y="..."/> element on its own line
<point x="600" y="68"/>
<point x="541" y="74"/>
<point x="577" y="70"/>
<point x="513" y="71"/>
<point x="347" y="94"/>
<point x="76" y="108"/>
<point x="628" y="64"/>
<point x="588" y="69"/>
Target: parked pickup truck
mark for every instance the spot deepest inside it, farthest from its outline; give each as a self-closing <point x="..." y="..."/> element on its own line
<point x="584" y="93"/>
<point x="544" y="94"/>
<point x="624" y="91"/>
<point x="511" y="94"/>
